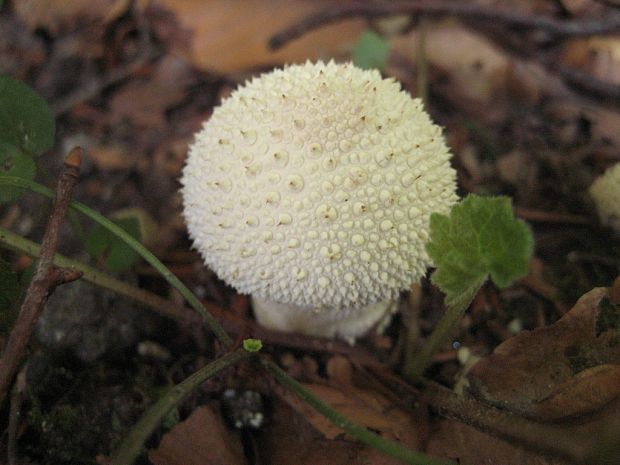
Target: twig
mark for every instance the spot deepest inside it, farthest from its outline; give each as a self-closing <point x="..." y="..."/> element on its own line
<point x="556" y="29"/>
<point x="134" y="442"/>
<point x="546" y="439"/>
<point x="550" y="217"/>
<point x="46" y="276"/>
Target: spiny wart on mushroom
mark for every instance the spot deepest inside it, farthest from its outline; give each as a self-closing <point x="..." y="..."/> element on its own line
<point x="311" y="188"/>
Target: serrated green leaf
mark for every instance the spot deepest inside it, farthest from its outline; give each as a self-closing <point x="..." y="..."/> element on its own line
<point x="117" y="255"/>
<point x="13" y="162"/>
<point x="479" y="238"/>
<point x="26" y="121"/>
<point x="371" y="51"/>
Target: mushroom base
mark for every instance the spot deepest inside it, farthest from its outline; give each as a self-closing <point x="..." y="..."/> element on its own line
<point x="348" y="323"/>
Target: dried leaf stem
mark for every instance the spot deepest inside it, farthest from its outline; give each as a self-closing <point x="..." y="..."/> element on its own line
<point x="46" y="276"/>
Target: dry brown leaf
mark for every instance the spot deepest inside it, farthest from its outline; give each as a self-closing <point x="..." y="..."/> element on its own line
<point x="588" y="390"/>
<point x="232" y="35"/>
<point x="289" y="439"/>
<point x="476" y="67"/>
<point x="55" y="16"/>
<point x="599" y="56"/>
<point x="367" y="407"/>
<point x="144" y="103"/>
<point x="107" y="157"/>
<point x="469" y="446"/>
<point x="202" y="439"/>
<point x="568" y="369"/>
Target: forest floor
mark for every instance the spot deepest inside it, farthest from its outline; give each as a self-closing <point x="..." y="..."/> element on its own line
<point x="528" y="92"/>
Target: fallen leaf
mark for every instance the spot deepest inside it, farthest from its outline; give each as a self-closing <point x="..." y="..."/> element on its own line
<point x="467" y="445"/>
<point x="144" y="103"/>
<point x="361" y="404"/>
<point x="476" y="67"/>
<point x="568" y="369"/>
<point x="289" y="439"/>
<point x="598" y="56"/>
<point x="202" y="439"/>
<point x="55" y="16"/>
<point x="231" y="36"/>
<point x="109" y="158"/>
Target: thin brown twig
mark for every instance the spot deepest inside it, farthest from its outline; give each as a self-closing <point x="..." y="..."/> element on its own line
<point x="46" y="277"/>
<point x="554" y="28"/>
<point x="550" y="217"/>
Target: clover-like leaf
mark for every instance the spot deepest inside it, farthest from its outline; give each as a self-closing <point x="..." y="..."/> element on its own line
<point x="26" y="121"/>
<point x="480" y="237"/>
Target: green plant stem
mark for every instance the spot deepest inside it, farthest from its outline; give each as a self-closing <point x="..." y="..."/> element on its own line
<point x="136" y="246"/>
<point x="455" y="309"/>
<point x="422" y="62"/>
<point x="362" y="434"/>
<point x="133" y="443"/>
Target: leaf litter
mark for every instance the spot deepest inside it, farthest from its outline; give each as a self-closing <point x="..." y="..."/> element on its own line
<point x="516" y="126"/>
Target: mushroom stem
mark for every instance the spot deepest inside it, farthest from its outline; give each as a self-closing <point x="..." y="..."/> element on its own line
<point x="347" y="323"/>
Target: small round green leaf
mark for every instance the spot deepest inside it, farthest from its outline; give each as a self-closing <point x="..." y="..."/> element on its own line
<point x="13" y="162"/>
<point x="252" y="345"/>
<point x="26" y="121"/>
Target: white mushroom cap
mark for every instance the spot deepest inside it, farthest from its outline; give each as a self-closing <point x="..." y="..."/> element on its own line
<point x="605" y="192"/>
<point x="313" y="186"/>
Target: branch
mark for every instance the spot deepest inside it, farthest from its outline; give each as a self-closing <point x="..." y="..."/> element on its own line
<point x="46" y="277"/>
<point x="556" y="29"/>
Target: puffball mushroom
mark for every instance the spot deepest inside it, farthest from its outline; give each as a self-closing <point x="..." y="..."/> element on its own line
<point x="605" y="191"/>
<point x="311" y="188"/>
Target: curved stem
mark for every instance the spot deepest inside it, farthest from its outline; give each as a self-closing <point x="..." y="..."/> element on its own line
<point x="133" y="443"/>
<point x="135" y="245"/>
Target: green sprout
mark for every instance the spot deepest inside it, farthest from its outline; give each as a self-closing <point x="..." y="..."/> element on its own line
<point x="479" y="238"/>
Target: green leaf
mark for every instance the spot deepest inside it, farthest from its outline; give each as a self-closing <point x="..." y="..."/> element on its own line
<point x="116" y="254"/>
<point x="26" y="122"/>
<point x="13" y="162"/>
<point x="371" y="51"/>
<point x="479" y="238"/>
<point x="252" y="345"/>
